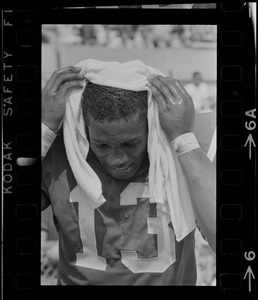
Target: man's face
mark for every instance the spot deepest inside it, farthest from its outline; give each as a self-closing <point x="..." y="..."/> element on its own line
<point x="197" y="79"/>
<point x="120" y="146"/>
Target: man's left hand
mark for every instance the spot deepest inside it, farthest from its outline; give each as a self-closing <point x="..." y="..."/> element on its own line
<point x="176" y="108"/>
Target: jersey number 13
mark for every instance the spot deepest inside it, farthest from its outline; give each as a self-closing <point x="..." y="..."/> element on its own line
<point x="89" y="257"/>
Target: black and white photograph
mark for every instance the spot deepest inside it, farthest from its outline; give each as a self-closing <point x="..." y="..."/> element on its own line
<point x="129" y="154"/>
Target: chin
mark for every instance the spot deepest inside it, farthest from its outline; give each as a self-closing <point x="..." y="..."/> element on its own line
<point x="119" y="177"/>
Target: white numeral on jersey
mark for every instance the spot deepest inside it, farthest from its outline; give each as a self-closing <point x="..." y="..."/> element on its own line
<point x="159" y="226"/>
<point x="89" y="258"/>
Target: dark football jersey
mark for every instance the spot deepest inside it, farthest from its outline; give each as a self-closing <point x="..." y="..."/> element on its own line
<point x="128" y="240"/>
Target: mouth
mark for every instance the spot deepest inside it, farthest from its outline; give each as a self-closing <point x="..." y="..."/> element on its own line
<point x="122" y="171"/>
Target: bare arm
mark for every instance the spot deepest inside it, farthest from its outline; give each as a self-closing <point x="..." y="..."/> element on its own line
<point x="53" y="109"/>
<point x="201" y="177"/>
<point x="53" y="102"/>
<point x="176" y="114"/>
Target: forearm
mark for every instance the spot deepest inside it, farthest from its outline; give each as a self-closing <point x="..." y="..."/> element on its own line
<point x="176" y="118"/>
<point x="201" y="177"/>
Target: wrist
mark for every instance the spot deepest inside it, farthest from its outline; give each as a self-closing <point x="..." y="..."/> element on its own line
<point x="172" y="137"/>
<point x="184" y="143"/>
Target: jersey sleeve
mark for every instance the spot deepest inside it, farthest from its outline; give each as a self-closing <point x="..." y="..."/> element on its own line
<point x="45" y="202"/>
<point x="48" y="225"/>
<point x="47" y="138"/>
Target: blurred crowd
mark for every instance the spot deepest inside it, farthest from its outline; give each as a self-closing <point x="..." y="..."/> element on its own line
<point x="131" y="36"/>
<point x="203" y="95"/>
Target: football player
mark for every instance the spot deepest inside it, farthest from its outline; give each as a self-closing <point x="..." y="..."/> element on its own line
<point x="128" y="240"/>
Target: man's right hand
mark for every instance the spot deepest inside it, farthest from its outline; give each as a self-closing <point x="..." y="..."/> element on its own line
<point x="54" y="94"/>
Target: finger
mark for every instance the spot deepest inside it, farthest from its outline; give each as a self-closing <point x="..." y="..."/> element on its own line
<point x="181" y="87"/>
<point x="158" y="97"/>
<point x="66" y="78"/>
<point x="172" y="86"/>
<point x="177" y="89"/>
<point x="69" y="69"/>
<point x="69" y="85"/>
<point x="63" y="78"/>
<point x="161" y="84"/>
<point x="183" y="91"/>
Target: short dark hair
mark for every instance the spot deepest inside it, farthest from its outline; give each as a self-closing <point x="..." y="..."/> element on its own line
<point x="104" y="103"/>
<point x="196" y="73"/>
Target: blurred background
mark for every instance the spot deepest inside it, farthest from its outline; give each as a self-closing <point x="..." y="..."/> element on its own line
<point x="184" y="52"/>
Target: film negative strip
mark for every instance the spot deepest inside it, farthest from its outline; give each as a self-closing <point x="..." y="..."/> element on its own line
<point x="233" y="144"/>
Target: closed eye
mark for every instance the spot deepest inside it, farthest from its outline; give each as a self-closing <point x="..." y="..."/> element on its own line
<point x="123" y="144"/>
<point x="133" y="144"/>
<point x="101" y="145"/>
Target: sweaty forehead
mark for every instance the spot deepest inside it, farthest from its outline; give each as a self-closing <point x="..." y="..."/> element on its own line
<point x="123" y="129"/>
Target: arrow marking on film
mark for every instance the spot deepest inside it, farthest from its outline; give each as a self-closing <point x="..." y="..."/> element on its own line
<point x="251" y="142"/>
<point x="250" y="274"/>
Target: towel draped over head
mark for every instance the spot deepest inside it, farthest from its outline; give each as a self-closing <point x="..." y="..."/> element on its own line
<point x="166" y="179"/>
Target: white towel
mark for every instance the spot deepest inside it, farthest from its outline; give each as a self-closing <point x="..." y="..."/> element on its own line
<point x="166" y="179"/>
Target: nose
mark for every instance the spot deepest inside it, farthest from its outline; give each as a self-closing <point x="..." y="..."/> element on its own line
<point x="117" y="158"/>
